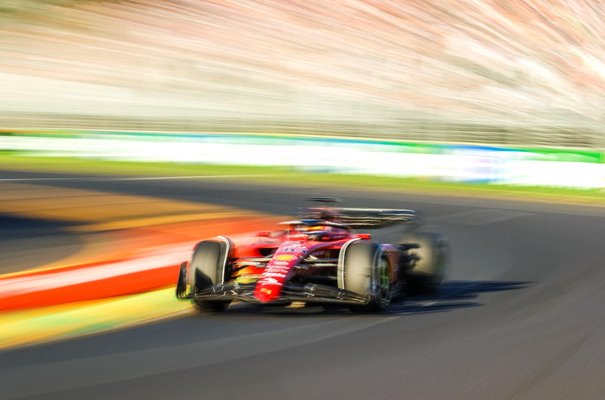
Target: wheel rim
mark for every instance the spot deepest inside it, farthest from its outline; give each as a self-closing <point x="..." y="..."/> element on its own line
<point x="382" y="287"/>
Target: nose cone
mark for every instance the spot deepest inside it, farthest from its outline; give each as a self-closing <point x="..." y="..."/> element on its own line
<point x="278" y="271"/>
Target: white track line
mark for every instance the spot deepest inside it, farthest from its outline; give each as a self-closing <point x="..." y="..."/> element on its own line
<point x="56" y="279"/>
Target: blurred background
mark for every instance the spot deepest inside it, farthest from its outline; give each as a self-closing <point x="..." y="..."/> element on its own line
<point x="474" y="71"/>
<point x="435" y="91"/>
<point x="132" y="129"/>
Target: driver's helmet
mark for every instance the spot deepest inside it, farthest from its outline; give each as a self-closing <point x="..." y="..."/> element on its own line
<point x="318" y="232"/>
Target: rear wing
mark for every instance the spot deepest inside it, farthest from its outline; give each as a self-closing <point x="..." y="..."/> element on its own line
<point x="372" y="218"/>
<point x="367" y="218"/>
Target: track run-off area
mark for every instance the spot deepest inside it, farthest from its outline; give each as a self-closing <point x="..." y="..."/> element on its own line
<point x="520" y="316"/>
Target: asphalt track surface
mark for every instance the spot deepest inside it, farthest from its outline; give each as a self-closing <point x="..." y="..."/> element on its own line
<point x="522" y="316"/>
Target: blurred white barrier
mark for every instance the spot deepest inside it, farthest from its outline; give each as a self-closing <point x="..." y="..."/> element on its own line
<point x="534" y="167"/>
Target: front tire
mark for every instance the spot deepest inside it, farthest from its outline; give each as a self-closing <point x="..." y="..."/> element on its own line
<point x="367" y="272"/>
<point x="207" y="269"/>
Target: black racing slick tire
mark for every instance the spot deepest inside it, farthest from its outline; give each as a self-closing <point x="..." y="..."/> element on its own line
<point x="429" y="270"/>
<point x="366" y="272"/>
<point x="207" y="269"/>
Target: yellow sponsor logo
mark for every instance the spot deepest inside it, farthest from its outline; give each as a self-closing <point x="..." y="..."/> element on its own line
<point x="246" y="278"/>
<point x="285" y="257"/>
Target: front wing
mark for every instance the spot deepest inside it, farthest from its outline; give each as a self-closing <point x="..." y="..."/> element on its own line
<point x="290" y="292"/>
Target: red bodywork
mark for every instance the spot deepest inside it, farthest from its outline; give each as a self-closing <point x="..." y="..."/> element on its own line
<point x="316" y="259"/>
<point x="287" y="248"/>
<point x="291" y="246"/>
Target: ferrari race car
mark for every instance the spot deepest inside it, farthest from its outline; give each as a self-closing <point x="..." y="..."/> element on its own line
<point x="317" y="259"/>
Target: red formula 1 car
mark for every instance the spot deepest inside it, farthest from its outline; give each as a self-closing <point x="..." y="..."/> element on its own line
<point x="317" y="259"/>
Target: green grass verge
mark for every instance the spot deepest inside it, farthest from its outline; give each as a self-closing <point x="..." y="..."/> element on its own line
<point x="293" y="177"/>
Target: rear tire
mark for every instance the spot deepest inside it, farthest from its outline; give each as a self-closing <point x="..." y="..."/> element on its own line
<point x="207" y="269"/>
<point x="367" y="272"/>
<point x="428" y="272"/>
